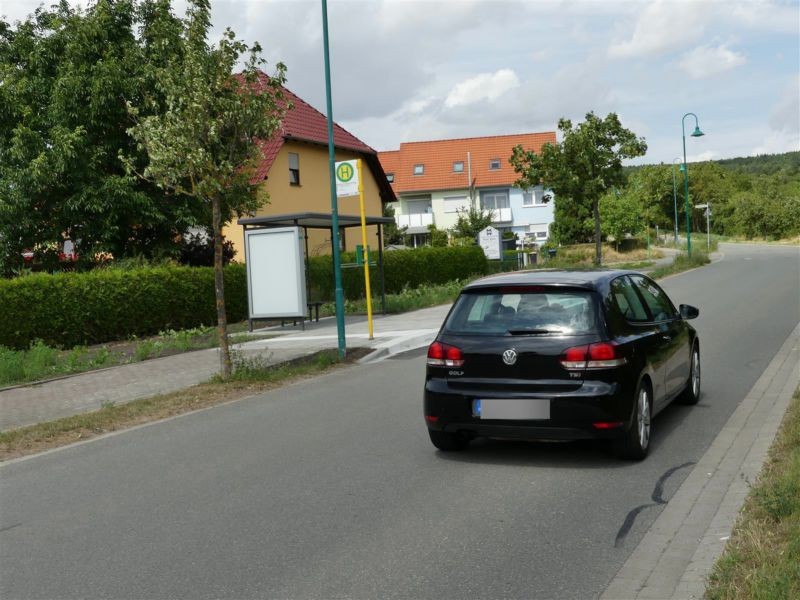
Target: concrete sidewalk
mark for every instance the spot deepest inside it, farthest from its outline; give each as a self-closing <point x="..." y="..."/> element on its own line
<point x="85" y="392"/>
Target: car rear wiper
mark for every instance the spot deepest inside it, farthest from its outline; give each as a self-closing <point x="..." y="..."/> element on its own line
<point x="531" y="331"/>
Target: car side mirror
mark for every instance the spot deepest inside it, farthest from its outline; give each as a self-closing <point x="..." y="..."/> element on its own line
<point x="689" y="312"/>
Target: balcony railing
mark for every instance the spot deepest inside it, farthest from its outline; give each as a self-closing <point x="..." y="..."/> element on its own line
<point x="501" y="215"/>
<point x="418" y="220"/>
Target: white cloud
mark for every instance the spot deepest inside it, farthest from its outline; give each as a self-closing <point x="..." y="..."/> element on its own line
<point x="662" y="27"/>
<point x="486" y="86"/>
<point x="705" y="61"/>
<point x="785" y="116"/>
<point x="766" y="15"/>
<point x="702" y="156"/>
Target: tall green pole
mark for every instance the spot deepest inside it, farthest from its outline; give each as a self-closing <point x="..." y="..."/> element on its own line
<point x="697" y="133"/>
<point x="686" y="196"/>
<point x="337" y="268"/>
<point x="675" y="201"/>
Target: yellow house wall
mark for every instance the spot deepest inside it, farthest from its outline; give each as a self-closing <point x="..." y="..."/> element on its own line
<point x="312" y="195"/>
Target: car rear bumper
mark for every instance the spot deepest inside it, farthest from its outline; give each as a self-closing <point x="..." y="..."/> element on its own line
<point x="573" y="414"/>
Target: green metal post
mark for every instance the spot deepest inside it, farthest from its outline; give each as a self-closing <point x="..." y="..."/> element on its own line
<point x="337" y="269"/>
<point x="697" y="133"/>
<point x="675" y="200"/>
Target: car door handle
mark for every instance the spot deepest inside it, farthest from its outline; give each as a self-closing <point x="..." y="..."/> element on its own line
<point x="666" y="337"/>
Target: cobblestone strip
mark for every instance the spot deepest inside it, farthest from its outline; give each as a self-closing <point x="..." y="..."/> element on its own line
<point x="675" y="556"/>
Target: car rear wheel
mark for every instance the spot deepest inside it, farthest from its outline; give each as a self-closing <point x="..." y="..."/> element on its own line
<point x="635" y="444"/>
<point x="448" y="442"/>
<point x="691" y="394"/>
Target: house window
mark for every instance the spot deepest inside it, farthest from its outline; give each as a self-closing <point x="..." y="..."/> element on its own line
<point x="531" y="198"/>
<point x="419" y="169"/>
<point x="390" y="177"/>
<point x="294" y="168"/>
<point x="452" y="204"/>
<point x="539" y="231"/>
<point x="458" y="167"/>
<point x="494" y="200"/>
<point x="494" y="164"/>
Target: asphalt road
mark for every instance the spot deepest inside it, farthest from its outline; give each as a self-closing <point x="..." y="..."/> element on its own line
<point x="330" y="487"/>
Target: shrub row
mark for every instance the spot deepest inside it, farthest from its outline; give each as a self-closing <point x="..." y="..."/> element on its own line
<point x="67" y="309"/>
<point x="402" y="269"/>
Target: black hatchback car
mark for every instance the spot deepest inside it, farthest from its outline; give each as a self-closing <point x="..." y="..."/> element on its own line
<point x="560" y="355"/>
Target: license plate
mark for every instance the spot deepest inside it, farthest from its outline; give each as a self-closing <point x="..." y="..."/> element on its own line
<point x="511" y="409"/>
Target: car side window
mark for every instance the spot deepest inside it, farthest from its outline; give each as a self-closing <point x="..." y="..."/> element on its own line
<point x="627" y="300"/>
<point x="656" y="299"/>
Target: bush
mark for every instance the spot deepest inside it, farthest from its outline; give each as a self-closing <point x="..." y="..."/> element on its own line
<point x="68" y="309"/>
<point x="402" y="268"/>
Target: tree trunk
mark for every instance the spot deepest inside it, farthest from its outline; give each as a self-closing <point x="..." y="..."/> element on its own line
<point x="219" y="292"/>
<point x="598" y="242"/>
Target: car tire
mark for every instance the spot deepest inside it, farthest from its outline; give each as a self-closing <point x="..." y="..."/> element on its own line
<point x="448" y="442"/>
<point x="636" y="442"/>
<point x="691" y="393"/>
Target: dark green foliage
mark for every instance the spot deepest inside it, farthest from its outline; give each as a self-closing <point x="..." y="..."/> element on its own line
<point x="472" y="221"/>
<point x="197" y="250"/>
<point x="392" y="234"/>
<point x="67" y="76"/>
<point x="403" y="269"/>
<point x="67" y="309"/>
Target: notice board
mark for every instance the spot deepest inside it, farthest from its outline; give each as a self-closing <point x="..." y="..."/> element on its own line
<point x="276" y="282"/>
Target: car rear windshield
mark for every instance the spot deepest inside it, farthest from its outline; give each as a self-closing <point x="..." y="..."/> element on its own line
<point x="524" y="311"/>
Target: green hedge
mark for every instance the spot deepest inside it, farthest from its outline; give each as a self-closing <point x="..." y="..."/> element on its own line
<point x="402" y="269"/>
<point x="67" y="309"/>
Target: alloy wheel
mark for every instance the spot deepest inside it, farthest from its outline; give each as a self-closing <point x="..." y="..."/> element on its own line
<point x="644" y="418"/>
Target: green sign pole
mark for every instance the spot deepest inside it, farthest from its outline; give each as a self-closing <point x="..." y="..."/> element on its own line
<point x="337" y="267"/>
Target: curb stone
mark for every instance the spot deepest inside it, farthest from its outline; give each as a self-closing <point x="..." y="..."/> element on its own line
<point x="676" y="555"/>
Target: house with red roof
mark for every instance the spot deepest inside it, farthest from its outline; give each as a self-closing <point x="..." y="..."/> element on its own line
<point x="434" y="180"/>
<point x="294" y="172"/>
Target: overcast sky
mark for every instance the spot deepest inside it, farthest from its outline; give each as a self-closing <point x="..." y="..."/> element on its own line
<point x="407" y="70"/>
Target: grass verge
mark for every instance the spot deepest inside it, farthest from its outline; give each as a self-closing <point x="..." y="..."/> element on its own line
<point x="762" y="557"/>
<point x="681" y="263"/>
<point x="250" y="376"/>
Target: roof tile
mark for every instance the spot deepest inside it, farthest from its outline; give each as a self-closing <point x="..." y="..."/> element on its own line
<point x="438" y="157"/>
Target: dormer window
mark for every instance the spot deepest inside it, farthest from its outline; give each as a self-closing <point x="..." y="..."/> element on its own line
<point x="458" y="167"/>
<point x="390" y="177"/>
<point x="494" y="164"/>
<point x="419" y="169"/>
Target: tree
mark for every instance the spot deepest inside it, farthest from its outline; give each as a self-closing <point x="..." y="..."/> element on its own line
<point x="66" y="77"/>
<point x="392" y="234"/>
<point x="621" y="215"/>
<point x="205" y="144"/>
<point x="472" y="221"/>
<point x="584" y="166"/>
<point x="439" y="237"/>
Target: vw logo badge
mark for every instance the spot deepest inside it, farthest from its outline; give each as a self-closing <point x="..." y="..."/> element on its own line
<point x="510" y="356"/>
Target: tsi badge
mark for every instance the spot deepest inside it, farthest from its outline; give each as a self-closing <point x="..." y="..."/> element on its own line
<point x="510" y="356"/>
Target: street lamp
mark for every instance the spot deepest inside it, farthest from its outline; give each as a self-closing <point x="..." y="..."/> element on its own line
<point x="695" y="133"/>
<point x="675" y="198"/>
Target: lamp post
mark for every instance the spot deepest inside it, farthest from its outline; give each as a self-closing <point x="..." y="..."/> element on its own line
<point x="337" y="270"/>
<point x="675" y="198"/>
<point x="695" y="133"/>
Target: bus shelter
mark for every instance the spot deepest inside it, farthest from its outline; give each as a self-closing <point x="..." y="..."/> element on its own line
<point x="312" y="220"/>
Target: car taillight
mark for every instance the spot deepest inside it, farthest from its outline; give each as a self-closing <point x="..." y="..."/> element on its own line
<point x="602" y="355"/>
<point x="444" y="355"/>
